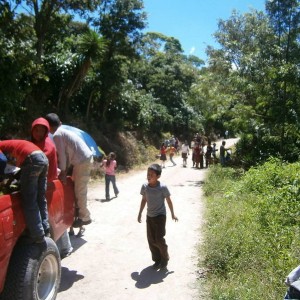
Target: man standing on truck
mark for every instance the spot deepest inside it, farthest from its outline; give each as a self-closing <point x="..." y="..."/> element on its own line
<point x="33" y="183"/>
<point x="73" y="150"/>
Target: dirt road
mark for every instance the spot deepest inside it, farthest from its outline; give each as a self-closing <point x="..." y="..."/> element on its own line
<point x="112" y="260"/>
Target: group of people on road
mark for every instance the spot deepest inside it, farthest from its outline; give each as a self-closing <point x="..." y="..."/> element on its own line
<point x="169" y="147"/>
<point x="204" y="154"/>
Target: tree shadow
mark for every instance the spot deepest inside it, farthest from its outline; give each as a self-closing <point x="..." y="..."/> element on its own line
<point x="68" y="278"/>
<point x="149" y="276"/>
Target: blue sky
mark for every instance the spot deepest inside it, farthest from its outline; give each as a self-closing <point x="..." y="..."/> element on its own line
<point x="193" y="22"/>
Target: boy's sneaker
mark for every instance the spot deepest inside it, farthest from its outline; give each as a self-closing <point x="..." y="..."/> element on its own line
<point x="156" y="265"/>
<point x="163" y="264"/>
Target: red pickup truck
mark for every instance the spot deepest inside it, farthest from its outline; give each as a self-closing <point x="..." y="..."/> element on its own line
<point x="33" y="271"/>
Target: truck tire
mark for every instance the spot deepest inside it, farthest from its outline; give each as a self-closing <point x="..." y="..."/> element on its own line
<point x="34" y="272"/>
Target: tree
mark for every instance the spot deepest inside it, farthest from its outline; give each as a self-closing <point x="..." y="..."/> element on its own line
<point x="120" y="22"/>
<point x="239" y="69"/>
<point x="15" y="67"/>
<point x="284" y="103"/>
<point x="35" y="31"/>
<point x="167" y="74"/>
<point x="255" y="78"/>
<point x="90" y="46"/>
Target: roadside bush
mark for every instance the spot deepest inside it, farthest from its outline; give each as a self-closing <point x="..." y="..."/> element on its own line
<point x="252" y="230"/>
<point x="257" y="147"/>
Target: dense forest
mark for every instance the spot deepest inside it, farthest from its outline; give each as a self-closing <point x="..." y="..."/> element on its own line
<point x="94" y="63"/>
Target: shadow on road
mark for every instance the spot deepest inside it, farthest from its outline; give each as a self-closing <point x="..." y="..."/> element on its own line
<point x="106" y="200"/>
<point x="77" y="242"/>
<point x="190" y="183"/>
<point x="195" y="183"/>
<point x="149" y="276"/>
<point x="68" y="278"/>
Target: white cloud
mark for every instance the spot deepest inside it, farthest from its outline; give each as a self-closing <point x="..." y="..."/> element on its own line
<point x="193" y="49"/>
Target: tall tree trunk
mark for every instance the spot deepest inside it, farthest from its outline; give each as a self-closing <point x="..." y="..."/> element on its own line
<point x="68" y="91"/>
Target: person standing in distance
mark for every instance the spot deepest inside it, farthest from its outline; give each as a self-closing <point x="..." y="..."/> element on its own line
<point x="154" y="193"/>
<point x="73" y="150"/>
<point x="163" y="155"/>
<point x="110" y="165"/>
<point x="185" y="151"/>
<point x="222" y="153"/>
<point x="172" y="151"/>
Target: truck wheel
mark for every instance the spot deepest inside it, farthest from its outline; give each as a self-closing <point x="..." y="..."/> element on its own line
<point x="34" y="272"/>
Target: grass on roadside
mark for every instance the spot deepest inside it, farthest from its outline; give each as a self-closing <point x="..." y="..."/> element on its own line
<point x="252" y="230"/>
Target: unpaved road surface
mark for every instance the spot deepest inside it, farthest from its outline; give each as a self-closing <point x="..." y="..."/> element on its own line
<point x="112" y="261"/>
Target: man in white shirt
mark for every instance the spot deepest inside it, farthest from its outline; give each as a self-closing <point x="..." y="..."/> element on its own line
<point x="73" y="151"/>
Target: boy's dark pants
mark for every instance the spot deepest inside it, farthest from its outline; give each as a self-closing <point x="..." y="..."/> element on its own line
<point x="156" y="230"/>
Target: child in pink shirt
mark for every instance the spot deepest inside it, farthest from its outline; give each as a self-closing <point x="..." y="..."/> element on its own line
<point x="110" y="165"/>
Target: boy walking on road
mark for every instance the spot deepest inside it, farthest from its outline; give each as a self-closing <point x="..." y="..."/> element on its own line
<point x="154" y="194"/>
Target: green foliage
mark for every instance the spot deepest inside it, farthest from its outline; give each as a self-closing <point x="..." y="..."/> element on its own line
<point x="119" y="23"/>
<point x="34" y="36"/>
<point x="168" y="75"/>
<point x="112" y="75"/>
<point x="257" y="147"/>
<point x="252" y="230"/>
<point x="91" y="46"/>
<point x="253" y="80"/>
